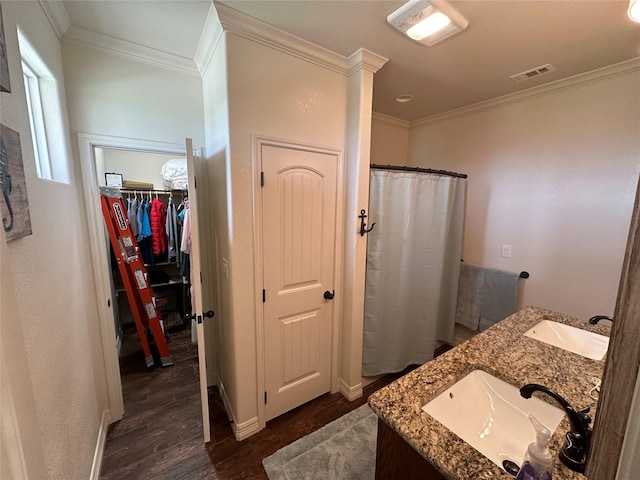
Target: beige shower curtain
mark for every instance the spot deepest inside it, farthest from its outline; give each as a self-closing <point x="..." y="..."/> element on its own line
<point x="413" y="264"/>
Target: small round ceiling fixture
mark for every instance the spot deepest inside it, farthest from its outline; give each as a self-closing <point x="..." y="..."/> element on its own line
<point x="404" y="98"/>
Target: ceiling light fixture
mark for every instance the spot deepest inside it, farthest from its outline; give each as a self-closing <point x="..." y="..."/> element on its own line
<point x="634" y="10"/>
<point x="428" y="21"/>
<point x="404" y="98"/>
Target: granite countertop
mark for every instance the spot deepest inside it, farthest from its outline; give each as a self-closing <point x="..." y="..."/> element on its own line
<point x="506" y="353"/>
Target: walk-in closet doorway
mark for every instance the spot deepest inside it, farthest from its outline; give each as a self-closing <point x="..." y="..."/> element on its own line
<point x="142" y="161"/>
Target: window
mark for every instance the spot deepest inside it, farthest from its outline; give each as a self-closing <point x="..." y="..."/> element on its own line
<point x="36" y="120"/>
<point x="48" y="129"/>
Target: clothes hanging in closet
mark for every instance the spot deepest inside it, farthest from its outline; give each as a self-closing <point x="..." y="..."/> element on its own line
<point x="185" y="248"/>
<point x="132" y="213"/>
<point x="157" y="227"/>
<point x="145" y="241"/>
<point x="158" y="218"/>
<point x="171" y="230"/>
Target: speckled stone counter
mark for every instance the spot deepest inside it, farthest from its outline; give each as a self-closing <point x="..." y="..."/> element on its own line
<point x="506" y="353"/>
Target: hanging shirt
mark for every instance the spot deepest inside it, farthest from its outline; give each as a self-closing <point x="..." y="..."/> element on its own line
<point x="172" y="231"/>
<point x="185" y="248"/>
<point x="185" y="244"/>
<point x="146" y="244"/>
<point x="132" y="214"/>
<point x="140" y="218"/>
<point x="146" y="221"/>
<point x="158" y="224"/>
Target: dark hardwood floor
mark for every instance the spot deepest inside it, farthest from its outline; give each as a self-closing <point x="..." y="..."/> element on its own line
<point x="160" y="436"/>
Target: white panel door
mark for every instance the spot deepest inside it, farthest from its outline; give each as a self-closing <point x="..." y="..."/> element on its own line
<point x="196" y="286"/>
<point x="298" y="223"/>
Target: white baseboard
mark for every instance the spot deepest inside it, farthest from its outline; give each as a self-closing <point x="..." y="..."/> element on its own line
<point x="100" y="444"/>
<point x="246" y="429"/>
<point x="240" y="430"/>
<point x="349" y="392"/>
<point x="225" y="400"/>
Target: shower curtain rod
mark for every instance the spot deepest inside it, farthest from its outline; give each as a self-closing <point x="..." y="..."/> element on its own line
<point x="418" y="170"/>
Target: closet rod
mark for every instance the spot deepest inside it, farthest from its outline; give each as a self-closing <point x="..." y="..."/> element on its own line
<point x="418" y="170"/>
<point x="147" y="190"/>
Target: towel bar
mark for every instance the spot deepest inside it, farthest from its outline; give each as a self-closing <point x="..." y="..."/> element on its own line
<point x="523" y="274"/>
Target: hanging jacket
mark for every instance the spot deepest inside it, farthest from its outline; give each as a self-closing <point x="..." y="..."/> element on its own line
<point x="140" y="221"/>
<point x="172" y="231"/>
<point x="158" y="226"/>
<point x="132" y="215"/>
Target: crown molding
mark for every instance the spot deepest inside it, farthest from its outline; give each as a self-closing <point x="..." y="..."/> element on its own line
<point x="381" y="117"/>
<point x="57" y="16"/>
<point x="601" y="74"/>
<point x="209" y="41"/>
<point x="130" y="51"/>
<point x="363" y="59"/>
<point x="260" y="32"/>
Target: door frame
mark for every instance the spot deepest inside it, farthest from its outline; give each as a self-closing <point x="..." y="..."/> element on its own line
<point x="87" y="143"/>
<point x="258" y="141"/>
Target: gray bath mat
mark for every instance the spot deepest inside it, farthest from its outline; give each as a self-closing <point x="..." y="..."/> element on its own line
<point x="345" y="449"/>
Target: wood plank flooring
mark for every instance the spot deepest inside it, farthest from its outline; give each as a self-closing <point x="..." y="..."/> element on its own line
<point x="160" y="436"/>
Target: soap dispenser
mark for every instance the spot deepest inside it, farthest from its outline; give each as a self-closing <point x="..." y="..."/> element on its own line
<point x="538" y="462"/>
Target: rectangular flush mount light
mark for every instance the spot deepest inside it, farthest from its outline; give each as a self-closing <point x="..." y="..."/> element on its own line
<point x="427" y="21"/>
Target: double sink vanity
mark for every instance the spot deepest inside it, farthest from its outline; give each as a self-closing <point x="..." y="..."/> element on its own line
<point x="461" y="416"/>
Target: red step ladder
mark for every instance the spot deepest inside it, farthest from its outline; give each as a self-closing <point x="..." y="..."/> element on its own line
<point x="134" y="276"/>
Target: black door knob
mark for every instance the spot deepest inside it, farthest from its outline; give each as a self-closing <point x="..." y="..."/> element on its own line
<point x="329" y="294"/>
<point x="194" y="316"/>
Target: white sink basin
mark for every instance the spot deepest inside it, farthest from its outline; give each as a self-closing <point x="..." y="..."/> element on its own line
<point x="491" y="416"/>
<point x="582" y="342"/>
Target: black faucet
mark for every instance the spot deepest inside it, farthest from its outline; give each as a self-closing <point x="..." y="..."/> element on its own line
<point x="576" y="447"/>
<point x="595" y="319"/>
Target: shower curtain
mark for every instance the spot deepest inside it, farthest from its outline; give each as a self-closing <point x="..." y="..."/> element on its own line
<point x="413" y="265"/>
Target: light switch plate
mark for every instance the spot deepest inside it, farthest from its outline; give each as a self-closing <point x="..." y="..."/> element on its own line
<point x="506" y="251"/>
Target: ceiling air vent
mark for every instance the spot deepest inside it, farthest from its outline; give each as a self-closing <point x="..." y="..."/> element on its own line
<point x="534" y="72"/>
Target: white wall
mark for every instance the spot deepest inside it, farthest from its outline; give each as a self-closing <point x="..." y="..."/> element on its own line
<point x="389" y="140"/>
<point x="555" y="177"/>
<point x="111" y="95"/>
<point x="49" y="334"/>
<point x="134" y="166"/>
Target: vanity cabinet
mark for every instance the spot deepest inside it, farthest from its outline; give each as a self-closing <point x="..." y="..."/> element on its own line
<point x="395" y="458"/>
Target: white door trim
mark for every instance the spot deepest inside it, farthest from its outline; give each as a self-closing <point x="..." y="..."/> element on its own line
<point x="99" y="248"/>
<point x="258" y="142"/>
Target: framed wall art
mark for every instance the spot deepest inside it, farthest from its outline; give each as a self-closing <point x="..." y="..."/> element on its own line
<point x="14" y="204"/>
<point x="5" y="84"/>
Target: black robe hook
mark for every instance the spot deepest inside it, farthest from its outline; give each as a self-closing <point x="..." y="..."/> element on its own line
<point x="363" y="226"/>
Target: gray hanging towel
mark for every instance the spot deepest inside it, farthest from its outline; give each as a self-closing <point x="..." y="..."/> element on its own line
<point x="470" y="293"/>
<point x="499" y="296"/>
